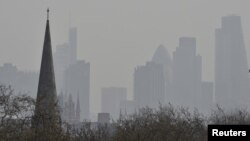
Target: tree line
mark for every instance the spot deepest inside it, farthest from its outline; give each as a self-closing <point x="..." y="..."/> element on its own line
<point x="166" y="123"/>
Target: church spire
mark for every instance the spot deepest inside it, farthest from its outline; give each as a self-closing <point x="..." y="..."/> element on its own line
<point x="46" y="106"/>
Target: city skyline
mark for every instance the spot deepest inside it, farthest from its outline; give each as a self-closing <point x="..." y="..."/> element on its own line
<point x="140" y="54"/>
<point x="185" y="65"/>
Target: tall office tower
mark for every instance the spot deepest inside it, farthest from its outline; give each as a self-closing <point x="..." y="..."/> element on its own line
<point x="187" y="73"/>
<point x="65" y="55"/>
<point x="77" y="81"/>
<point x="62" y="61"/>
<point x="73" y="44"/>
<point x="161" y="56"/>
<point x="231" y="68"/>
<point x="46" y="114"/>
<point x="149" y="85"/>
<point x="111" y="100"/>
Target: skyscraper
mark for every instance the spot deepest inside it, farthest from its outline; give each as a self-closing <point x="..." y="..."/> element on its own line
<point x="77" y="81"/>
<point x="231" y="69"/>
<point x="62" y="61"/>
<point x="187" y="73"/>
<point x="161" y="56"/>
<point x="65" y="55"/>
<point x="46" y="102"/>
<point x="73" y="44"/>
<point x="149" y="85"/>
<point x="73" y="75"/>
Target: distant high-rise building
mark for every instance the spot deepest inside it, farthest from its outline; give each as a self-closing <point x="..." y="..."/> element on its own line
<point x="149" y="85"/>
<point x="161" y="56"/>
<point x="187" y="73"/>
<point x="73" y="44"/>
<point x="72" y="75"/>
<point x="111" y="100"/>
<point x="77" y="81"/>
<point x="20" y="81"/>
<point x="62" y="61"/>
<point x="65" y="55"/>
<point x="231" y="68"/>
<point x="46" y="114"/>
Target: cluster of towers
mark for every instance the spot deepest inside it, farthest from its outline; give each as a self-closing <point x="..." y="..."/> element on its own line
<point x="72" y="75"/>
<point x="179" y="80"/>
<point x="164" y="79"/>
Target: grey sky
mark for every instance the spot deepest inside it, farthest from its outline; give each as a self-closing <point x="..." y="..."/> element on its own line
<point x="114" y="35"/>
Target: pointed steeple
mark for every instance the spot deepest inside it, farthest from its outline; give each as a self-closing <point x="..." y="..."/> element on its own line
<point x="46" y="104"/>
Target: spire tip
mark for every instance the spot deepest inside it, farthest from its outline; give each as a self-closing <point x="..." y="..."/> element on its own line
<point x="48" y="14"/>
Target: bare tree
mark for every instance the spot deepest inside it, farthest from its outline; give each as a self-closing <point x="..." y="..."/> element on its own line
<point x="166" y="123"/>
<point x="15" y="114"/>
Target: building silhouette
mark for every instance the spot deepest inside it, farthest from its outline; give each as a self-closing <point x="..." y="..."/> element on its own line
<point x="45" y="115"/>
<point x="149" y="85"/>
<point x="73" y="75"/>
<point x="73" y="44"/>
<point x="111" y="100"/>
<point x="62" y="61"/>
<point x="77" y="82"/>
<point x="65" y="55"/>
<point x="21" y="81"/>
<point x="187" y="73"/>
<point x="231" y="68"/>
<point x="162" y="56"/>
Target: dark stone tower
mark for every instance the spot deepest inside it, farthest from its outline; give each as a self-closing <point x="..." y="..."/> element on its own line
<point x="46" y="103"/>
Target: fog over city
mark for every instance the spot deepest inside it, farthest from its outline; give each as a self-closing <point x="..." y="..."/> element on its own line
<point x="118" y="44"/>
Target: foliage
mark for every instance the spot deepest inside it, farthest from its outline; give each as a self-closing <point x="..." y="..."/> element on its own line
<point x="167" y="123"/>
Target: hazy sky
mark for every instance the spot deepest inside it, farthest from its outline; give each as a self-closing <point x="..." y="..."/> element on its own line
<point x="114" y="35"/>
